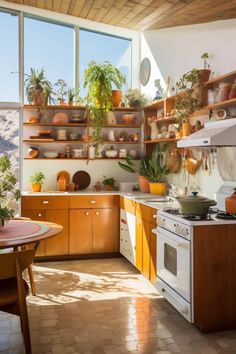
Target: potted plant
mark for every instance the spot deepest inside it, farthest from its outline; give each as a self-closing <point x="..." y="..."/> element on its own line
<point x="187" y="99"/>
<point x="61" y="90"/>
<point x="142" y="169"/>
<point x="135" y="99"/>
<point x="109" y="183"/>
<point x="204" y="74"/>
<point x="158" y="169"/>
<point x="8" y="190"/>
<point x="36" y="181"/>
<point x="72" y="94"/>
<point x="38" y="88"/>
<point x="99" y="79"/>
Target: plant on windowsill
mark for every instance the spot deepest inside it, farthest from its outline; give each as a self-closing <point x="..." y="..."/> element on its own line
<point x="73" y="96"/>
<point x="61" y="91"/>
<point x="8" y="191"/>
<point x="135" y="99"/>
<point x="187" y="99"/>
<point x="204" y="74"/>
<point x="109" y="183"/>
<point x="38" y="88"/>
<point x="37" y="181"/>
<point x="99" y="79"/>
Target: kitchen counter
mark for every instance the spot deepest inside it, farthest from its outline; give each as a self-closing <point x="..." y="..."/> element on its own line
<point x="136" y="196"/>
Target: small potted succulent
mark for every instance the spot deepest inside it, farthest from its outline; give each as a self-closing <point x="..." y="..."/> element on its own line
<point x="135" y="99"/>
<point x="73" y="97"/>
<point x="204" y="74"/>
<point x="61" y="90"/>
<point x="109" y="183"/>
<point x="37" y="181"/>
<point x="9" y="192"/>
<point x="38" y="88"/>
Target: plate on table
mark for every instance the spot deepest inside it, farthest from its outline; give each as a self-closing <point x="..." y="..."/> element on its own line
<point x="82" y="179"/>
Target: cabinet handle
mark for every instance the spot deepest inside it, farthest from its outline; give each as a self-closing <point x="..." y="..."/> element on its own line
<point x="87" y="213"/>
<point x="97" y="213"/>
<point x="92" y="201"/>
<point x="45" y="202"/>
<point x="39" y="214"/>
<point x="154" y="216"/>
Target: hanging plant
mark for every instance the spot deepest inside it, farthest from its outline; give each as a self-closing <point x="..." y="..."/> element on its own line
<point x="99" y="79"/>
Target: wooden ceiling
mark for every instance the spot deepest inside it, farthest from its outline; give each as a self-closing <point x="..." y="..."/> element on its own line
<point x="143" y="14"/>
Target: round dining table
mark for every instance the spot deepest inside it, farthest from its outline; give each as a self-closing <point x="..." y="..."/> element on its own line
<point x="18" y="233"/>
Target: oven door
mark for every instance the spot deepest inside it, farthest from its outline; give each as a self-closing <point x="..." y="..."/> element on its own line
<point x="173" y="262"/>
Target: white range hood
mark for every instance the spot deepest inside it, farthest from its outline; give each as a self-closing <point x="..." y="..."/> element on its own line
<point x="218" y="133"/>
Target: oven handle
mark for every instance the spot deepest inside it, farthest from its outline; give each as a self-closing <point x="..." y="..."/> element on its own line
<point x="174" y="238"/>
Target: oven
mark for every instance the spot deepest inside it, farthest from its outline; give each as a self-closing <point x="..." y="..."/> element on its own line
<point x="174" y="269"/>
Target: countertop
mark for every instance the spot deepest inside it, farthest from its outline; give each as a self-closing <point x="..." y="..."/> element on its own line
<point x="136" y="196"/>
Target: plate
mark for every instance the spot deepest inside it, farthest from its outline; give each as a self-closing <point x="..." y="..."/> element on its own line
<point x="64" y="174"/>
<point x="81" y="178"/>
<point x="145" y="71"/>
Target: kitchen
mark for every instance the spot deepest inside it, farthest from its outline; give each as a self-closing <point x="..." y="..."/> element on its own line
<point x="138" y="275"/>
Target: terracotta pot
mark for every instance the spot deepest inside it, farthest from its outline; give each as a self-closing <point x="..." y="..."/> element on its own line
<point x="143" y="184"/>
<point x="107" y="187"/>
<point x="38" y="98"/>
<point x="36" y="187"/>
<point x="157" y="188"/>
<point x="116" y="97"/>
<point x="230" y="204"/>
<point x="61" y="184"/>
<point x="204" y="75"/>
<point x="186" y="128"/>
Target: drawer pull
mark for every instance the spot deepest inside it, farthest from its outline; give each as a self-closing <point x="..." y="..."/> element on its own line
<point x="45" y="202"/>
<point x="154" y="216"/>
<point x="92" y="201"/>
<point x="39" y="214"/>
<point x="97" y="213"/>
<point x="87" y="213"/>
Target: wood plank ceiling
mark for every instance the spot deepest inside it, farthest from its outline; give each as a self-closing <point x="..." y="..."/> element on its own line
<point x="141" y="15"/>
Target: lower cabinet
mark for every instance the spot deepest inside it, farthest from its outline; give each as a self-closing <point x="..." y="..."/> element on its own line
<point x="81" y="231"/>
<point x="102" y="230"/>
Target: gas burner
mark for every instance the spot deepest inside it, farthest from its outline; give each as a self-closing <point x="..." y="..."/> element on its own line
<point x="198" y="218"/>
<point x="223" y="215"/>
<point x="213" y="210"/>
<point x="172" y="211"/>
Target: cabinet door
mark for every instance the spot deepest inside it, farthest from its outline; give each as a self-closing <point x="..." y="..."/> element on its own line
<point x="80" y="239"/>
<point x="38" y="215"/>
<point x="139" y="244"/>
<point x="103" y="230"/>
<point x="153" y="254"/>
<point x="146" y="248"/>
<point x="59" y="244"/>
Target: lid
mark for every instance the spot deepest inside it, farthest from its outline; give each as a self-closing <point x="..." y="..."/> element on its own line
<point x="194" y="199"/>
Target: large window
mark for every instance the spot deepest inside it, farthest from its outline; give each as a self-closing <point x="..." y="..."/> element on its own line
<point x="101" y="47"/>
<point x="49" y="46"/>
<point x="9" y="57"/>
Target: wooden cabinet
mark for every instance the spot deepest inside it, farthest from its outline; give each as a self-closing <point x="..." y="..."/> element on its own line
<point x="81" y="231"/>
<point x="153" y="254"/>
<point x="139" y="244"/>
<point x="91" y="202"/>
<point x="59" y="244"/>
<point x="44" y="202"/>
<point x="102" y="230"/>
<point x="128" y="205"/>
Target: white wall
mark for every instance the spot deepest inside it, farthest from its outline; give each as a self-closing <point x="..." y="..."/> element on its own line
<point x="174" y="51"/>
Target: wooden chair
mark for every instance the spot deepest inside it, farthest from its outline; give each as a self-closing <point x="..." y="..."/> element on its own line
<point x="14" y="288"/>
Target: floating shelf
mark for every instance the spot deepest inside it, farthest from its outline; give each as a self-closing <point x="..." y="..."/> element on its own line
<point x="83" y="158"/>
<point x="226" y="77"/>
<point x="55" y="125"/>
<point x="31" y="141"/>
<point x="155" y="105"/>
<point x="120" y="142"/>
<point x="166" y="119"/>
<point x="160" y="141"/>
<point x="67" y="107"/>
<point x="222" y="104"/>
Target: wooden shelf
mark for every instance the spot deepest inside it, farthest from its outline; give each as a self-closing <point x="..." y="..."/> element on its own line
<point x="55" y="125"/>
<point x="83" y="158"/>
<point x="225" y="77"/>
<point x="67" y="107"/>
<point x="36" y="141"/>
<point x="160" y="141"/>
<point x="221" y="104"/>
<point x="121" y="126"/>
<point x="120" y="142"/>
<point x="166" y="119"/>
<point x="155" y="105"/>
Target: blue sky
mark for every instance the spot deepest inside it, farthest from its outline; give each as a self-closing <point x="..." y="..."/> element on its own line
<point x="51" y="46"/>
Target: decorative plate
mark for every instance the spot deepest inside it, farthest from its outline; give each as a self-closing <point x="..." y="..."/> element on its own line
<point x="145" y="71"/>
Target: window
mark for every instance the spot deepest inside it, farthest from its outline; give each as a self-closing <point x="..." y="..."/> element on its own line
<point x="9" y="136"/>
<point x="49" y="46"/>
<point x="9" y="58"/>
<point x="102" y="47"/>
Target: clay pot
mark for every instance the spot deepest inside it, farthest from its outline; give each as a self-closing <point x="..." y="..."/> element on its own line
<point x="61" y="184"/>
<point x="36" y="187"/>
<point x="33" y="152"/>
<point x="186" y="128"/>
<point x="107" y="187"/>
<point x="204" y="75"/>
<point x="143" y="184"/>
<point x="37" y="97"/>
<point x="116" y="97"/>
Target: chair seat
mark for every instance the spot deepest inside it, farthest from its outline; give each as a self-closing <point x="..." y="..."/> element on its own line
<point x="8" y="291"/>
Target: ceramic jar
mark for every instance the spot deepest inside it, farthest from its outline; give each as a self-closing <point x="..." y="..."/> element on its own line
<point x="78" y="153"/>
<point x="61" y="134"/>
<point x="111" y="153"/>
<point x="92" y="152"/>
<point x="225" y="89"/>
<point x="232" y="93"/>
<point x="33" y="152"/>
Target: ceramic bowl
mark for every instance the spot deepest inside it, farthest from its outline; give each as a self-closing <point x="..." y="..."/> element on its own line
<point x="128" y="118"/>
<point x="111" y="153"/>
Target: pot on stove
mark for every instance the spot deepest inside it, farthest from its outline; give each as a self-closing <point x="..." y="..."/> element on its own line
<point x="194" y="205"/>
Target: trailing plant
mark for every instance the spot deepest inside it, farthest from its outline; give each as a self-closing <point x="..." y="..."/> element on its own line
<point x="109" y="181"/>
<point x="36" y="83"/>
<point x="187" y="101"/>
<point x="61" y="89"/>
<point x="37" y="178"/>
<point x="8" y="190"/>
<point x="153" y="169"/>
<point x="135" y="99"/>
<point x="99" y="80"/>
<point x="204" y="57"/>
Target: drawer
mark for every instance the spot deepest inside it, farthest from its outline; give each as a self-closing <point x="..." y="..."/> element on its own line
<point x="91" y="201"/>
<point x="127" y="205"/>
<point x="146" y="213"/>
<point x="44" y="202"/>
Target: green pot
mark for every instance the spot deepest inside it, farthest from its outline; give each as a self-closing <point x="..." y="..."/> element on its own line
<point x="195" y="205"/>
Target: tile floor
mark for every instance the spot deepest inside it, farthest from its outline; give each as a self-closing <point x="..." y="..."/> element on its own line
<point x="104" y="307"/>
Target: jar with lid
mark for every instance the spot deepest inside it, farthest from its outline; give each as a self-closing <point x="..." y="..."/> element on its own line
<point x="233" y="91"/>
<point x="225" y="89"/>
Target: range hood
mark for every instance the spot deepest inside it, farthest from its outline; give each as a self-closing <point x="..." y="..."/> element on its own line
<point x="218" y="133"/>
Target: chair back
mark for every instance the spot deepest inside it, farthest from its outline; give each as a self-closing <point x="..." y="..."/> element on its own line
<point x="9" y="262"/>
